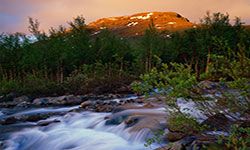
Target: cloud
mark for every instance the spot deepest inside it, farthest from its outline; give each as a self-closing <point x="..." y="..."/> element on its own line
<point x="14" y="13"/>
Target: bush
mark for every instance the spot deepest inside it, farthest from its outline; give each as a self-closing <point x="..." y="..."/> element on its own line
<point x="182" y="123"/>
<point x="239" y="139"/>
<point x="35" y="85"/>
<point x="174" y="79"/>
<point x="223" y="67"/>
<point x="97" y="79"/>
<point x="7" y="86"/>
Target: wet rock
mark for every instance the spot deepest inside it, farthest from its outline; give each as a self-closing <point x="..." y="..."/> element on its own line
<point x="24" y="104"/>
<point x="202" y="141"/>
<point x="47" y="122"/>
<point x="139" y="119"/>
<point x="10" y="96"/>
<point x="8" y="104"/>
<point x="112" y="96"/>
<point x="72" y="100"/>
<point x="148" y="105"/>
<point x="196" y="142"/>
<point x="99" y="103"/>
<point x="208" y="90"/>
<point x="85" y="104"/>
<point x="131" y="121"/>
<point x="84" y="97"/>
<point x="139" y="101"/>
<point x="218" y="122"/>
<point x="104" y="108"/>
<point x="61" y="100"/>
<point x="22" y="99"/>
<point x="174" y="146"/>
<point x="9" y="120"/>
<point x="174" y="136"/>
<point x="116" y="120"/>
<point x="182" y="144"/>
<point x="207" y="85"/>
<point x="40" y="101"/>
<point x="10" y="101"/>
<point x="34" y="118"/>
<point x="122" y="102"/>
<point x="113" y="103"/>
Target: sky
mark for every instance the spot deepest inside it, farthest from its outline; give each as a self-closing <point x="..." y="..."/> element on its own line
<point x="52" y="13"/>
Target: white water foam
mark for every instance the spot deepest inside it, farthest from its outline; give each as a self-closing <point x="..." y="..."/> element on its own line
<point x="78" y="131"/>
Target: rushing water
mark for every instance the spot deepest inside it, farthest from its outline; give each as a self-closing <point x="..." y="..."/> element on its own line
<point x="76" y="131"/>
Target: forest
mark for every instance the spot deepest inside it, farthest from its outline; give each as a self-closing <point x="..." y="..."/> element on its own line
<point x="74" y="60"/>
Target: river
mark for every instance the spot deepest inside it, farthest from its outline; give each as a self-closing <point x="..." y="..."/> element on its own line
<point x="72" y="131"/>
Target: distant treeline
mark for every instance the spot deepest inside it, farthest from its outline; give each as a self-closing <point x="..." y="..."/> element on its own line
<point x="75" y="60"/>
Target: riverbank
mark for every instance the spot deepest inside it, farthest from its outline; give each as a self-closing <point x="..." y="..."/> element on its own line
<point x="132" y="118"/>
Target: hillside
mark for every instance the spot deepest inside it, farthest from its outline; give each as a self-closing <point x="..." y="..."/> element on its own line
<point x="136" y="24"/>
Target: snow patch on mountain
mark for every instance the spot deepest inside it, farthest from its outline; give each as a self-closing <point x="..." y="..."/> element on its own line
<point x="171" y="22"/>
<point x="143" y="17"/>
<point x="132" y="24"/>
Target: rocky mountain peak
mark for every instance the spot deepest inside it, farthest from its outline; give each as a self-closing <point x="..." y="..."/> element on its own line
<point x="135" y="25"/>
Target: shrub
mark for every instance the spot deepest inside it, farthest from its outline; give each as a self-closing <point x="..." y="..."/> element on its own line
<point x="239" y="139"/>
<point x="7" y="86"/>
<point x="35" y="85"/>
<point x="182" y="123"/>
<point x="174" y="79"/>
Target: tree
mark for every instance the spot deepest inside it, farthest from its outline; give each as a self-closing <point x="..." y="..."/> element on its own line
<point x="152" y="46"/>
<point x="35" y="30"/>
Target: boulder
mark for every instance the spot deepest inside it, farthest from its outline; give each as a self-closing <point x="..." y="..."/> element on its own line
<point x="132" y="120"/>
<point x="204" y="140"/>
<point x="85" y="104"/>
<point x="116" y="120"/>
<point x="23" y="104"/>
<point x="104" y="108"/>
<point x="174" y="136"/>
<point x="72" y="100"/>
<point x="10" y="96"/>
<point x="173" y="146"/>
<point x="207" y="85"/>
<point x="34" y="118"/>
<point x="61" y="100"/>
<point x="40" y="101"/>
<point x="218" y="122"/>
<point x="9" y="120"/>
<point x="47" y="122"/>
<point x="22" y="99"/>
<point x="148" y="105"/>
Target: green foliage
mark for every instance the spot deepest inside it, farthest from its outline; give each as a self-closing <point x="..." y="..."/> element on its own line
<point x="9" y="86"/>
<point x="36" y="85"/>
<point x="242" y="84"/>
<point x="223" y="67"/>
<point x="156" y="138"/>
<point x="175" y="79"/>
<point x="215" y="50"/>
<point x="239" y="139"/>
<point x="183" y="123"/>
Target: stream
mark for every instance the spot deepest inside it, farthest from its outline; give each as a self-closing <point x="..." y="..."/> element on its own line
<point x="72" y="131"/>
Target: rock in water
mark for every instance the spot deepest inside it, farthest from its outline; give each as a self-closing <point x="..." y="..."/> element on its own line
<point x="85" y="104"/>
<point x="174" y="136"/>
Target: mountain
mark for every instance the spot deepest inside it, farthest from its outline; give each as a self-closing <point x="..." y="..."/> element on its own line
<point x="136" y="24"/>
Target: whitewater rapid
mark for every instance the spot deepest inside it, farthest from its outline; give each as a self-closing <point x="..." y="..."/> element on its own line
<point x="77" y="131"/>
